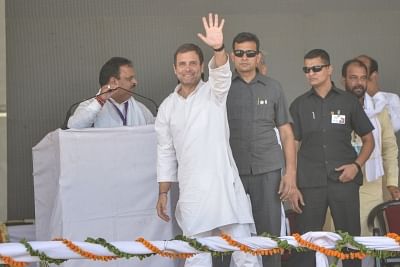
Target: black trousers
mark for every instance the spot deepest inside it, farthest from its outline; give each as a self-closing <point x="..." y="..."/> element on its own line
<point x="344" y="203"/>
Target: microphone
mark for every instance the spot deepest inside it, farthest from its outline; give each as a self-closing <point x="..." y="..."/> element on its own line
<point x="71" y="109"/>
<point x="142" y="96"/>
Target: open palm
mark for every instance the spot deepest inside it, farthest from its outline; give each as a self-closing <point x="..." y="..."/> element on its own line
<point x="213" y="31"/>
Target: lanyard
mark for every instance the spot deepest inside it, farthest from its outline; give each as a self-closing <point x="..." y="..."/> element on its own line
<point x="122" y="116"/>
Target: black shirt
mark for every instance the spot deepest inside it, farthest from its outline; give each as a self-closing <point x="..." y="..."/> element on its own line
<point x="324" y="127"/>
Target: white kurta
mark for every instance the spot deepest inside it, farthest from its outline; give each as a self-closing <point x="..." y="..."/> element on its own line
<point x="90" y="113"/>
<point x="193" y="149"/>
<point x="393" y="105"/>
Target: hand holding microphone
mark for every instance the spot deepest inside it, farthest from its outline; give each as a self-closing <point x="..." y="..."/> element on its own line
<point x="108" y="90"/>
<point x="105" y="93"/>
<point x="102" y="96"/>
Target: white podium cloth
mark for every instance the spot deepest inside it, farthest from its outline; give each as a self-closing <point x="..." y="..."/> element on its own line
<point x="18" y="232"/>
<point x="99" y="183"/>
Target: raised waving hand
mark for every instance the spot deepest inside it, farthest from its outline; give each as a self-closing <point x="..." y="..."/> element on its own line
<point x="214" y="37"/>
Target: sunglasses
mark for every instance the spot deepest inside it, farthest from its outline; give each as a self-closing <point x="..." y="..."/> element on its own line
<point x="249" y="53"/>
<point x="316" y="68"/>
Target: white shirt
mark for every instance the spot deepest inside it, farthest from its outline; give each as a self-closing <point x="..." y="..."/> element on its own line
<point x="91" y="113"/>
<point x="374" y="164"/>
<point x="393" y="104"/>
<point x="193" y="149"/>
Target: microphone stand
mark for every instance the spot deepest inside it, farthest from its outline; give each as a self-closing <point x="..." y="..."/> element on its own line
<point x="71" y="109"/>
<point x="142" y="96"/>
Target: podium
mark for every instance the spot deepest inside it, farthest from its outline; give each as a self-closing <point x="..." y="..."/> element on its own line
<point x="100" y="183"/>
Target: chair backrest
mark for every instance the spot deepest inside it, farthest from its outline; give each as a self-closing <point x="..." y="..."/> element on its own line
<point x="385" y="217"/>
<point x="392" y="218"/>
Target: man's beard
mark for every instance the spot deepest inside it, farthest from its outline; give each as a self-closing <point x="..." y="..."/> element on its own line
<point x="358" y="91"/>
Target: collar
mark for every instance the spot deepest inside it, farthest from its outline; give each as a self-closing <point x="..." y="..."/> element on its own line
<point x="201" y="82"/>
<point x="118" y="104"/>
<point x="259" y="78"/>
<point x="115" y="102"/>
<point x="333" y="89"/>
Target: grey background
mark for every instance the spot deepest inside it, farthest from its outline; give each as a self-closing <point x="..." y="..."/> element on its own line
<point x="55" y="49"/>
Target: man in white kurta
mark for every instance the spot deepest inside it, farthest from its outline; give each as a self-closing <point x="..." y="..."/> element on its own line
<point x="383" y="159"/>
<point x="193" y="149"/>
<point x="114" y="105"/>
<point x="392" y="100"/>
<point x="392" y="104"/>
<point x="91" y="113"/>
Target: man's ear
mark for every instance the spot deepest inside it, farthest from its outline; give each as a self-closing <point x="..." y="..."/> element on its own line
<point x="330" y="69"/>
<point x="173" y="66"/>
<point x="374" y="76"/>
<point x="258" y="59"/>
<point x="113" y="81"/>
<point x="343" y="81"/>
<point x="232" y="56"/>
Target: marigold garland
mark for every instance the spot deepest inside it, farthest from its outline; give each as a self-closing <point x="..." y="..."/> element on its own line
<point x="345" y="241"/>
<point x="156" y="250"/>
<point x="41" y="255"/>
<point x="283" y="244"/>
<point x="84" y="253"/>
<point x="394" y="236"/>
<point x="200" y="247"/>
<point x="247" y="249"/>
<point x="113" y="249"/>
<point x="329" y="252"/>
<point x="11" y="262"/>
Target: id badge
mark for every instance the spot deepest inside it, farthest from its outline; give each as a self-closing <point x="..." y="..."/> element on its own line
<point x="338" y="119"/>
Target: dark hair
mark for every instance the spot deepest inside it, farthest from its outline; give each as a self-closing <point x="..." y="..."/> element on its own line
<point x="111" y="69"/>
<point x="318" y="53"/>
<point x="353" y="62"/>
<point x="373" y="64"/>
<point x="246" y="37"/>
<point x="188" y="48"/>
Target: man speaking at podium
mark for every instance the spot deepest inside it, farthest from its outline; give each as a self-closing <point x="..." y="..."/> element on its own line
<point x="193" y="149"/>
<point x="114" y="105"/>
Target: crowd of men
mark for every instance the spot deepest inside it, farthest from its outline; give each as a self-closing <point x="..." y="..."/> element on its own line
<point x="236" y="153"/>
